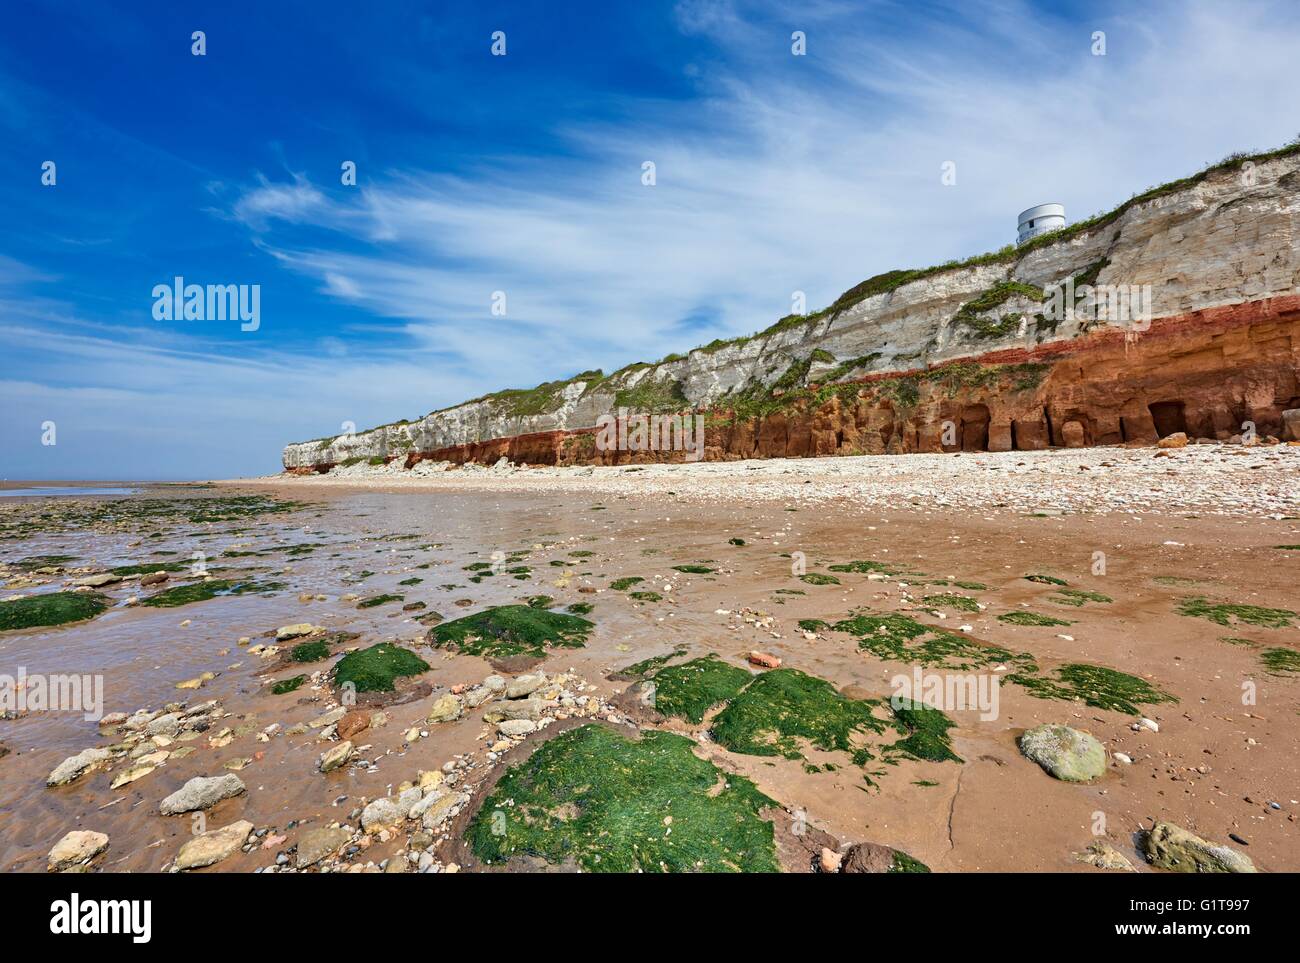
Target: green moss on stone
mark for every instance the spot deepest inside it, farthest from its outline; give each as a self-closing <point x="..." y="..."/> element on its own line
<point x="508" y="630"/>
<point x="375" y="669"/>
<point x="691" y="689"/>
<point x="53" y="608"/>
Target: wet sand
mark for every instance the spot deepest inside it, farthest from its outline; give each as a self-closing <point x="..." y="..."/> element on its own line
<point x="1214" y="765"/>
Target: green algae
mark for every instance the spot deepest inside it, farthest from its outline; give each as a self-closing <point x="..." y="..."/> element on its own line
<point x="691" y="689"/>
<point x="901" y="638"/>
<point x="1077" y="597"/>
<point x="693" y="569"/>
<point x="735" y="541"/>
<point x="904" y="863"/>
<point x="1225" y="613"/>
<point x="819" y="578"/>
<point x="202" y="591"/>
<point x="540" y="601"/>
<point x="580" y="608"/>
<point x="287" y="685"/>
<point x="1280" y="661"/>
<point x="645" y="596"/>
<point x="864" y="567"/>
<point x="376" y="668"/>
<point x="1031" y="618"/>
<point x="593" y="797"/>
<point x="507" y="630"/>
<point x="413" y="580"/>
<point x="312" y="651"/>
<point x="784" y="707"/>
<point x="814" y="625"/>
<point x="623" y="584"/>
<point x="648" y="667"/>
<point x="1046" y="579"/>
<point x="925" y="733"/>
<point x="947" y="600"/>
<point x="149" y="568"/>
<point x="376" y="600"/>
<point x="52" y="608"/>
<point x="1094" y="685"/>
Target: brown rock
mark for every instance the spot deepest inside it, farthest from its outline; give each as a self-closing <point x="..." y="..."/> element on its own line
<point x="354" y="722"/>
<point x="765" y="660"/>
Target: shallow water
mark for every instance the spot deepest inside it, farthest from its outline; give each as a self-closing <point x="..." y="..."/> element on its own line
<point x="64" y="491"/>
<point x="957" y="817"/>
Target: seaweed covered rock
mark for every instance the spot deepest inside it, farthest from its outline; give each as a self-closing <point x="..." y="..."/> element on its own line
<point x="875" y="858"/>
<point x="593" y="797"/>
<point x="1171" y="847"/>
<point x="51" y="608"/>
<point x="512" y="630"/>
<point x="1067" y="754"/>
<point x="374" y="669"/>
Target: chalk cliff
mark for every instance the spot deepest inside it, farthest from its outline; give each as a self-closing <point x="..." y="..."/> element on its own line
<point x="968" y="356"/>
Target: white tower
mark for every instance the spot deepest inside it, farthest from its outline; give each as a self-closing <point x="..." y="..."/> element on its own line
<point x="1039" y="220"/>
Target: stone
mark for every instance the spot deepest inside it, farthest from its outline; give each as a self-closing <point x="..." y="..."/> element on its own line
<point x="296" y="631"/>
<point x="202" y="792"/>
<point x="380" y="814"/>
<point x="516" y="728"/>
<point x="1169" y="846"/>
<point x="437" y="814"/>
<point x="315" y="844"/>
<point x="1072" y="435"/>
<point x="514" y="709"/>
<point x="1067" y="754"/>
<point x="75" y="766"/>
<point x="327" y="718"/>
<point x="97" y="581"/>
<point x="1291" y="424"/>
<point x="525" y="685"/>
<point x="76" y="849"/>
<point x="214" y="845"/>
<point x="1177" y="440"/>
<point x="354" y="722"/>
<point x="130" y="775"/>
<point x="165" y="725"/>
<point x="765" y="660"/>
<point x="335" y="756"/>
<point x="830" y="861"/>
<point x="447" y="708"/>
<point x="1105" y="856"/>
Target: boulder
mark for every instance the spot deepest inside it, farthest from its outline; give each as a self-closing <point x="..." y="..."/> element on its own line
<point x="201" y="792"/>
<point x="500" y="711"/>
<point x="315" y="844"/>
<point x="74" y="766"/>
<point x="1105" y="856"/>
<point x="1177" y="440"/>
<point x="525" y="685"/>
<point x="76" y="849"/>
<point x="1171" y="847"/>
<point x="516" y="728"/>
<point x="296" y="631"/>
<point x="335" y="756"/>
<point x="214" y="846"/>
<point x="447" y="708"/>
<point x="380" y="814"/>
<point x="353" y="723"/>
<point x="97" y="581"/>
<point x="1067" y="754"/>
<point x="875" y="858"/>
<point x="1291" y="424"/>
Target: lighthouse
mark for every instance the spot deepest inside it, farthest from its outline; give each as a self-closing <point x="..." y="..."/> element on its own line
<point x="1039" y="220"/>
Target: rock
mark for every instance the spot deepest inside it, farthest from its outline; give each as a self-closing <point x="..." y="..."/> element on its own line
<point x="1171" y="847"/>
<point x="875" y="858"/>
<point x="296" y="631"/>
<point x="1068" y="754"/>
<point x="764" y="660"/>
<point x="202" y="792"/>
<point x="97" y="581"/>
<point x="476" y="697"/>
<point x="516" y="728"/>
<point x="424" y="805"/>
<point x="379" y="814"/>
<point x="327" y="719"/>
<point x="1123" y="758"/>
<point x="76" y="849"/>
<point x="214" y="846"/>
<point x="153" y="578"/>
<point x="131" y="775"/>
<point x="396" y="864"/>
<point x="164" y="725"/>
<point x="335" y="756"/>
<point x="75" y="766"/>
<point x="1072" y="435"/>
<point x="315" y="844"/>
<point x="525" y="685"/>
<point x="830" y="861"/>
<point x="353" y="723"/>
<point x="437" y="814"/>
<point x="1291" y="424"/>
<point x="447" y="708"/>
<point x="514" y="709"/>
<point x="1149" y="724"/>
<point x="1177" y="440"/>
<point x="1105" y="856"/>
<point x="494" y="683"/>
<point x="408" y="798"/>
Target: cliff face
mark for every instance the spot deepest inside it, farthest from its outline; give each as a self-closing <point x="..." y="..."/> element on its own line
<point x="968" y="357"/>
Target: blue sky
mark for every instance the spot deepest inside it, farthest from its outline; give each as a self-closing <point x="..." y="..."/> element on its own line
<point x="522" y="174"/>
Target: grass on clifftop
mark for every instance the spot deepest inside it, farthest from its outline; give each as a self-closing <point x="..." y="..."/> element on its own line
<point x="592" y="797"/>
<point x="54" y="608"/>
<point x="375" y="669"/>
<point x="507" y="630"/>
